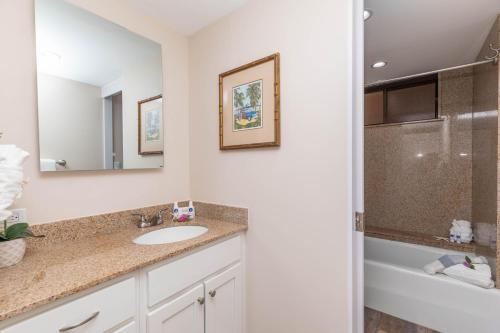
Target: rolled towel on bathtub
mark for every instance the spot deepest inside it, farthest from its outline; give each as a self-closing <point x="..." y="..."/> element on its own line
<point x="461" y="231"/>
<point x="449" y="260"/>
<point x="479" y="276"/>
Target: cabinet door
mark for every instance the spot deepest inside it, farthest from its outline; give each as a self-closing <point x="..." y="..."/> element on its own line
<point x="129" y="328"/>
<point x="223" y="302"/>
<point x="184" y="314"/>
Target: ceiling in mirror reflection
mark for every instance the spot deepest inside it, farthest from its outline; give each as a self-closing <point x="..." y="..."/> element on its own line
<point x="78" y="45"/>
<point x="92" y="76"/>
<point x="424" y="35"/>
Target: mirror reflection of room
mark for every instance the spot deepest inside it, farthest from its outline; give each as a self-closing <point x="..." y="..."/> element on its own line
<point x="99" y="92"/>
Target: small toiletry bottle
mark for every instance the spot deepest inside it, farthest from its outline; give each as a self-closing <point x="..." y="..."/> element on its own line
<point x="175" y="211"/>
<point x="191" y="210"/>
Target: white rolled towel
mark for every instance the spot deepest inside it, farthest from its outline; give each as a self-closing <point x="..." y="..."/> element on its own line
<point x="47" y="164"/>
<point x="11" y="177"/>
<point x="12" y="156"/>
<point x="479" y="276"/>
<point x="462" y="224"/>
<point x="11" y="181"/>
<point x="448" y="260"/>
<point x="461" y="231"/>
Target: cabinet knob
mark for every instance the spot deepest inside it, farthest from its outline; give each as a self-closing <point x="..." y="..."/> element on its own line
<point x="201" y="300"/>
<point x="212" y="293"/>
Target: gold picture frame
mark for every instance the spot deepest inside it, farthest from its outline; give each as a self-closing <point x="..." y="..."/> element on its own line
<point x="150" y="129"/>
<point x="249" y="96"/>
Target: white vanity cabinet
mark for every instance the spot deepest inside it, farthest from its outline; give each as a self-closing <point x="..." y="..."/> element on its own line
<point x="211" y="296"/>
<point x="200" y="292"/>
<point x="112" y="309"/>
<point x="211" y="307"/>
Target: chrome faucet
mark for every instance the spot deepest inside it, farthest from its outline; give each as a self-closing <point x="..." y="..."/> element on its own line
<point x="145" y="222"/>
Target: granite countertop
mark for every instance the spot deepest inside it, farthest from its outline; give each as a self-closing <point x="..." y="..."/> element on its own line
<point x="56" y="269"/>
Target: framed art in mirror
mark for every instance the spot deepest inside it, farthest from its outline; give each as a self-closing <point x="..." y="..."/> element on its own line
<point x="249" y="105"/>
<point x="150" y="126"/>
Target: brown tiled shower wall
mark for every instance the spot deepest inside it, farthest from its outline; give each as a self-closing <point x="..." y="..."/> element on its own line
<point x="485" y="146"/>
<point x="419" y="177"/>
<point x="495" y="72"/>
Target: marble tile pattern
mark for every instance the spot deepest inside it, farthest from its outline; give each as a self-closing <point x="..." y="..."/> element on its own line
<point x="84" y="227"/>
<point x="379" y="322"/>
<point x="485" y="137"/>
<point x="421" y="239"/>
<point x="485" y="133"/>
<point x="496" y="28"/>
<point x="78" y="254"/>
<point x="418" y="177"/>
<point x="495" y="36"/>
<point x="220" y="212"/>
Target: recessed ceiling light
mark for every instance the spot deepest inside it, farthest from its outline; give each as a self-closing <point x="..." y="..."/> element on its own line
<point x="367" y="14"/>
<point x="379" y="64"/>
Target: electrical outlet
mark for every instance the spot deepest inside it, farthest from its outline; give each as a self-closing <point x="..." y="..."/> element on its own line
<point x="18" y="216"/>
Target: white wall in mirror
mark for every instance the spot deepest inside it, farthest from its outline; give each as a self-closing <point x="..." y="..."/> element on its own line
<point x="91" y="76"/>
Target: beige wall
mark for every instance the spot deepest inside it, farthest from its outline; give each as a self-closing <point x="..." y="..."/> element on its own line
<point x="139" y="83"/>
<point x="297" y="194"/>
<point x="57" y="196"/>
<point x="70" y="122"/>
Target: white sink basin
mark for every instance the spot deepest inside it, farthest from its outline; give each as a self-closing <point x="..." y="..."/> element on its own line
<point x="170" y="235"/>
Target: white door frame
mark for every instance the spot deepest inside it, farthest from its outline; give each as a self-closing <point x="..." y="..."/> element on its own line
<point x="356" y="166"/>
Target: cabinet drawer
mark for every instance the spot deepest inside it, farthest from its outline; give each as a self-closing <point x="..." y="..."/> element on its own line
<point x="165" y="281"/>
<point x="114" y="305"/>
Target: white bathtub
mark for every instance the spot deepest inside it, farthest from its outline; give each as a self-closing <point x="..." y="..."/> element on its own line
<point x="396" y="284"/>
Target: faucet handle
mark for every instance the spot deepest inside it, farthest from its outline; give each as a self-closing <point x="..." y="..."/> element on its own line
<point x="142" y="216"/>
<point x="159" y="215"/>
<point x="143" y="222"/>
<point x="161" y="211"/>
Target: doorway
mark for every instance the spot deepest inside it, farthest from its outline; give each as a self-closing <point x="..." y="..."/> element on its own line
<point x="113" y="131"/>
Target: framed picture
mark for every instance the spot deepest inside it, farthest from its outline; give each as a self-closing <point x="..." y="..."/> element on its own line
<point x="249" y="105"/>
<point x="151" y="126"/>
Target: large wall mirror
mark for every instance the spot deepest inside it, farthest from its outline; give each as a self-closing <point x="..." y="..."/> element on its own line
<point x="99" y="92"/>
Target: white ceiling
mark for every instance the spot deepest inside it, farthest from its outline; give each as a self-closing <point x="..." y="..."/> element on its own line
<point x="187" y="16"/>
<point x="421" y="35"/>
<point x="90" y="49"/>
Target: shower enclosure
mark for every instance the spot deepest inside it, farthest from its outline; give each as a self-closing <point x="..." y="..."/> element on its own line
<point x="431" y="156"/>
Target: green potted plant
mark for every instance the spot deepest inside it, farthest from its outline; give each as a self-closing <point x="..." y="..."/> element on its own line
<point x="13" y="243"/>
